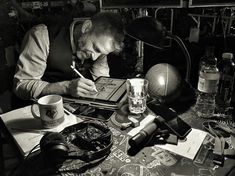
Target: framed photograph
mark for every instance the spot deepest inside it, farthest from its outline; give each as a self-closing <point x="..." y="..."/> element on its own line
<point x="141" y="3"/>
<point x="211" y="3"/>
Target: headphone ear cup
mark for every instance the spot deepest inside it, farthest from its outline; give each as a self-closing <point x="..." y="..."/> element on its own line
<point x="54" y="148"/>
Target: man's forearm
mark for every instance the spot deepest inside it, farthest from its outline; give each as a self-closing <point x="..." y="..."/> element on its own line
<point x="60" y="88"/>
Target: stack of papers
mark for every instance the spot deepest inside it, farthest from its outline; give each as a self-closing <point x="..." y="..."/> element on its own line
<point x="27" y="131"/>
<point x="188" y="147"/>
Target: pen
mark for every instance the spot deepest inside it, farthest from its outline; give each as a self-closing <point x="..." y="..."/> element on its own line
<point x="29" y="130"/>
<point x="76" y="71"/>
<point x="66" y="111"/>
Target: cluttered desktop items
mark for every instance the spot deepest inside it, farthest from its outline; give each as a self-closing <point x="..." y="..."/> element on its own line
<point x="158" y="129"/>
<point x="166" y="127"/>
<point x="170" y="119"/>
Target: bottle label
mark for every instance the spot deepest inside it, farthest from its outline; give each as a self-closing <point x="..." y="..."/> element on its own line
<point x="207" y="85"/>
<point x="210" y="76"/>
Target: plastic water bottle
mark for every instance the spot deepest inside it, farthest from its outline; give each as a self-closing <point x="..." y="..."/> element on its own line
<point x="207" y="85"/>
<point x="227" y="73"/>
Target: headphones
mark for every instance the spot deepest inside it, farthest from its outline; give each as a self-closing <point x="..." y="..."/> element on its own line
<point x="87" y="141"/>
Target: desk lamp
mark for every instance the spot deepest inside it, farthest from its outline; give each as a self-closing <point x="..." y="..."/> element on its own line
<point x="164" y="82"/>
<point x="151" y="32"/>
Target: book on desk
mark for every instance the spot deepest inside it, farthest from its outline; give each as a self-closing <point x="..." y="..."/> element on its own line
<point x="111" y="93"/>
<point x="26" y="131"/>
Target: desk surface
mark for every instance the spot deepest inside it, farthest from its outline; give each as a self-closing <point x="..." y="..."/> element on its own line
<point x="147" y="162"/>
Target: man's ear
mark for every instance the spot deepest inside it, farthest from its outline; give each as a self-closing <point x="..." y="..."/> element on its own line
<point x="86" y="26"/>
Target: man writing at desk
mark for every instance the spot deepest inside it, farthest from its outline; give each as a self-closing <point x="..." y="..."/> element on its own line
<point x="44" y="65"/>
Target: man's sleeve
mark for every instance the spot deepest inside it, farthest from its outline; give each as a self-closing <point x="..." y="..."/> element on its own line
<point x="32" y="63"/>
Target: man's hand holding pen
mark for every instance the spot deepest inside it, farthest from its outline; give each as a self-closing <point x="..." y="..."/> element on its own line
<point x="81" y="86"/>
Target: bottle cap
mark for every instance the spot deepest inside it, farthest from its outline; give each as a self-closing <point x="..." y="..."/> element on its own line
<point x="227" y="55"/>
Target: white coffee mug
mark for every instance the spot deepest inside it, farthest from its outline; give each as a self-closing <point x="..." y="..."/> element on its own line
<point x="51" y="110"/>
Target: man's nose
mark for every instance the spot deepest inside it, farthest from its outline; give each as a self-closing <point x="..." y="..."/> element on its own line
<point x="94" y="56"/>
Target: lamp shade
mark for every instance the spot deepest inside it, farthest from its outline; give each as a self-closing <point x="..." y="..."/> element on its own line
<point x="148" y="30"/>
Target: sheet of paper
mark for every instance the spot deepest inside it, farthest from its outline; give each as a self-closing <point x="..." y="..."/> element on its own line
<point x="189" y="147"/>
<point x="27" y="131"/>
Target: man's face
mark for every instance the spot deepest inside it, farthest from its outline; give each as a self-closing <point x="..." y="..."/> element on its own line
<point x="92" y="47"/>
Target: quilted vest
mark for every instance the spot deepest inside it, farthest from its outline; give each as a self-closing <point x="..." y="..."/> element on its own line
<point x="60" y="56"/>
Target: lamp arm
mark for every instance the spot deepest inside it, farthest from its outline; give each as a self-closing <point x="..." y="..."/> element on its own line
<point x="186" y="54"/>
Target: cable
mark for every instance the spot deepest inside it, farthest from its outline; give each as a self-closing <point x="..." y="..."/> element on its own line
<point x="186" y="54"/>
<point x="224" y="28"/>
<point x="22" y="164"/>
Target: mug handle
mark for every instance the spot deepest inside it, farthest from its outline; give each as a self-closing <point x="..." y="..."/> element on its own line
<point x="33" y="112"/>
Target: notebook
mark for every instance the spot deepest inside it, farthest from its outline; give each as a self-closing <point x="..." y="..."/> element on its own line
<point x="26" y="131"/>
<point x="111" y="93"/>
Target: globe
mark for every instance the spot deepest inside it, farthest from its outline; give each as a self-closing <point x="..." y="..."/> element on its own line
<point x="164" y="82"/>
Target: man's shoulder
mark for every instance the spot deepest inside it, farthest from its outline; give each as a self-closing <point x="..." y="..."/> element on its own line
<point x="39" y="27"/>
<point x="39" y="30"/>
